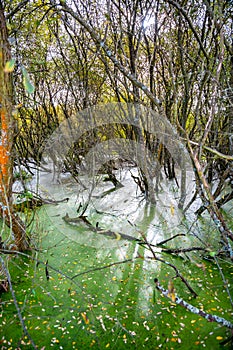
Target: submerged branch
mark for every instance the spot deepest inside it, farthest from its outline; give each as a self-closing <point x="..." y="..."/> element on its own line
<point x="96" y="229"/>
<point x="193" y="309"/>
<point x="102" y="267"/>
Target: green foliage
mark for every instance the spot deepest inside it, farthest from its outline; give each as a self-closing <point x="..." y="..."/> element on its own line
<point x="22" y="175"/>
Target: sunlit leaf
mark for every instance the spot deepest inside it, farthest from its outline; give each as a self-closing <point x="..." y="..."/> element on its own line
<point x="18" y="106"/>
<point x="29" y="87"/>
<point x="9" y="66"/>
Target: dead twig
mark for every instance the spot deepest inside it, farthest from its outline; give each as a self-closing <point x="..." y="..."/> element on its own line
<point x="169" y="239"/>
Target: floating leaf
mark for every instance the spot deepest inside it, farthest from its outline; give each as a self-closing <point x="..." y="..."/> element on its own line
<point x="118" y="236"/>
<point x="174" y="340"/>
<point x="9" y="66"/>
<point x="172" y="209"/>
<point x="171" y="291"/>
<point x="85" y="318"/>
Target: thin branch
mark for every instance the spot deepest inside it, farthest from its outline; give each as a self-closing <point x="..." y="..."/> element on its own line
<point x="17" y="9"/>
<point x="212" y="150"/>
<point x="224" y="280"/>
<point x="16" y="304"/>
<point x="219" y="203"/>
<point x="102" y="45"/>
<point x="169" y="239"/>
<point x="178" y="274"/>
<point x="184" y="13"/>
<point x="183" y="250"/>
<point x="6" y="251"/>
<point x="208" y="199"/>
<point x="102" y="267"/>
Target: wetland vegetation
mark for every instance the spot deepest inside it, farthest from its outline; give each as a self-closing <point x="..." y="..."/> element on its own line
<point x="116" y="174"/>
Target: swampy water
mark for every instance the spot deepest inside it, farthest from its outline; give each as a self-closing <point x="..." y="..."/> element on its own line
<point x="81" y="289"/>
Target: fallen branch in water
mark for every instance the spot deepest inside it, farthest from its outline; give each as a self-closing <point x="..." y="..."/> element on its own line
<point x="120" y="235"/>
<point x="178" y="274"/>
<point x="193" y="309"/>
<point x="102" y="267"/>
<point x="117" y="235"/>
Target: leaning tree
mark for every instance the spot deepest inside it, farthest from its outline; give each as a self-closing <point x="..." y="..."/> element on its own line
<point x="6" y="139"/>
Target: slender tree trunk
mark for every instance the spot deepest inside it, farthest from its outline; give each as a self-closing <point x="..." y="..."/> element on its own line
<point x="6" y="141"/>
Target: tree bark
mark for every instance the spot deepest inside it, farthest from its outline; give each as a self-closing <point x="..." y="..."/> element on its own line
<point x="6" y="141"/>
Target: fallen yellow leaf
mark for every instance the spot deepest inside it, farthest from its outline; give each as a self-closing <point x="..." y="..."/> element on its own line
<point x="85" y="318"/>
<point x="172" y="210"/>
